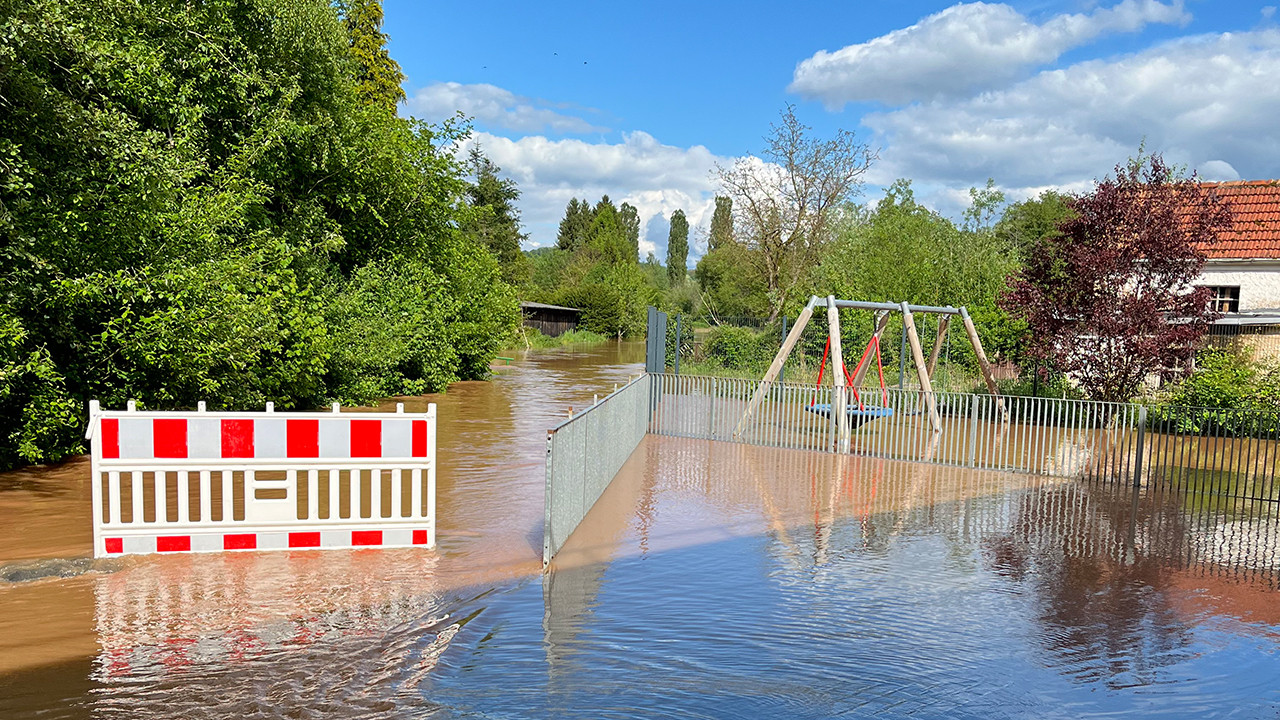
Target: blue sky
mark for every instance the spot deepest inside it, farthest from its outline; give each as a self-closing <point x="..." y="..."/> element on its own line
<point x="641" y="101"/>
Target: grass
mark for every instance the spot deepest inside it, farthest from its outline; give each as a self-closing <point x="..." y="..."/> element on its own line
<point x="528" y="338"/>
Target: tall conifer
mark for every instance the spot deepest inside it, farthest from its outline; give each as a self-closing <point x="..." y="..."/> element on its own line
<point x="678" y="248"/>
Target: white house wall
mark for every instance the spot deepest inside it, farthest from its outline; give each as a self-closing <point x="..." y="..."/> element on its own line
<point x="1259" y="281"/>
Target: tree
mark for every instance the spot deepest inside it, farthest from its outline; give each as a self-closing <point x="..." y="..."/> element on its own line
<point x="575" y="225"/>
<point x="629" y="220"/>
<point x="786" y="199"/>
<point x="1109" y="298"/>
<point x="378" y="76"/>
<point x="721" y="224"/>
<point x="606" y="239"/>
<point x="196" y="204"/>
<point x="901" y="250"/>
<point x="983" y="205"/>
<point x="678" y="248"/>
<point x="495" y="221"/>
<point x="1025" y="223"/>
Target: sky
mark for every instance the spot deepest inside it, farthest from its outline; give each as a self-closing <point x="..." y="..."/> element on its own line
<point x="642" y="101"/>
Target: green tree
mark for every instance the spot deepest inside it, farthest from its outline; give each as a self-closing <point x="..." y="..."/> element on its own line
<point x="721" y="224"/>
<point x="629" y="220"/>
<point x="378" y="77"/>
<point x="575" y="225"/>
<point x="984" y="205"/>
<point x="678" y="248"/>
<point x="198" y="204"/>
<point x="607" y="238"/>
<point x="495" y="221"/>
<point x="1025" y="224"/>
<point x="789" y="201"/>
<point x="731" y="285"/>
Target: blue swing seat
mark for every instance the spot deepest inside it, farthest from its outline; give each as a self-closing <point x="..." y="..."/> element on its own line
<point x="858" y="416"/>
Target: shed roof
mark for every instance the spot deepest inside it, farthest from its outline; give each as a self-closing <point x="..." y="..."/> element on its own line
<point x="524" y="304"/>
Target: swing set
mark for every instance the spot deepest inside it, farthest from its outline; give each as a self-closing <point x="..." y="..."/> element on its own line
<point x="863" y="412"/>
<point x="853" y="415"/>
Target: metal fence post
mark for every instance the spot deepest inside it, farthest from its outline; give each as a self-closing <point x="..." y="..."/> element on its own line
<point x="973" y="430"/>
<point x="902" y="355"/>
<point x="1137" y="461"/>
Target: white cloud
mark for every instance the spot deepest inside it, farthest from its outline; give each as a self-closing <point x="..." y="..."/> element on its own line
<point x="1217" y="171"/>
<point x="494" y="107"/>
<point x="967" y="47"/>
<point x="1210" y="102"/>
<point x="655" y="178"/>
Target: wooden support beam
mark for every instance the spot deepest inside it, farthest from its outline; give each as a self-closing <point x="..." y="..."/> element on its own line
<point x="861" y="372"/>
<point x="922" y="370"/>
<point x="983" y="363"/>
<point x="840" y="402"/>
<point x="775" y="368"/>
<point x="943" y="323"/>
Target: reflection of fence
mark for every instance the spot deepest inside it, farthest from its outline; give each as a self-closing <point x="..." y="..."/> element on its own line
<point x="1233" y="453"/>
<point x="585" y="452"/>
<point x="205" y="481"/>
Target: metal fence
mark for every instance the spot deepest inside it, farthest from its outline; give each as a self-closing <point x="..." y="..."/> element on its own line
<point x="585" y="452"/>
<point x="1218" y="460"/>
<point x="1233" y="454"/>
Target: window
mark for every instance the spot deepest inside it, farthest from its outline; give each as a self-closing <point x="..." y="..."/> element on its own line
<point x="1226" y="298"/>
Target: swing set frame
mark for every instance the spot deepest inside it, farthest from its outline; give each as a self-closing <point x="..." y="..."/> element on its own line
<point x="843" y="383"/>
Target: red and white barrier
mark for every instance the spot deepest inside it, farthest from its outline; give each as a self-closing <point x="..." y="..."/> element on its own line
<point x="213" y="481"/>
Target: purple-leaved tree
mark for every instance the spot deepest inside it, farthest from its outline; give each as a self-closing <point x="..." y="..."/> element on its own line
<point x="1109" y="299"/>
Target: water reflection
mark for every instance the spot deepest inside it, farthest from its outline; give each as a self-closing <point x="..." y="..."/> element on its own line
<point x="754" y="581"/>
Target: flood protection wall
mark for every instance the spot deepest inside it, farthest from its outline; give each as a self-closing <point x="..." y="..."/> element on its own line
<point x="585" y="452"/>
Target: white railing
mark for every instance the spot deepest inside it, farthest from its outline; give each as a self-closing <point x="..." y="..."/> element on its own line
<point x="213" y="481"/>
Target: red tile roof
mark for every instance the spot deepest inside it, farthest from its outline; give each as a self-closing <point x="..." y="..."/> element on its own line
<point x="1255" y="206"/>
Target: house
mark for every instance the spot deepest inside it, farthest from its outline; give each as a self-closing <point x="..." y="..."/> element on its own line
<point x="1243" y="268"/>
<point x="551" y="320"/>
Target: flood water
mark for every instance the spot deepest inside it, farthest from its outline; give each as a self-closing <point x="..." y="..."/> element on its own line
<point x="711" y="580"/>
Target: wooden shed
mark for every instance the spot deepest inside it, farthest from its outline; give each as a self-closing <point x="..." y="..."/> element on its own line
<point x="551" y="320"/>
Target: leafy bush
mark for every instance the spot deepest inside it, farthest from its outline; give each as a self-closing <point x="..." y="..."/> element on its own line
<point x="739" y="348"/>
<point x="1053" y="386"/>
<point x="613" y="299"/>
<point x="1228" y="380"/>
<point x="1242" y="397"/>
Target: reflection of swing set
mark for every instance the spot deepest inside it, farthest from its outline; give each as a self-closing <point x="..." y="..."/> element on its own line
<point x="855" y="414"/>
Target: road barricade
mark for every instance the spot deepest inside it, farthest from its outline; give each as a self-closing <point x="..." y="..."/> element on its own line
<point x="213" y="481"/>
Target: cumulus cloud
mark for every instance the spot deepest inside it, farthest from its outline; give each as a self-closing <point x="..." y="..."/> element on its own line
<point x="494" y="107"/>
<point x="967" y="47"/>
<point x="1209" y="102"/>
<point x="656" y="178"/>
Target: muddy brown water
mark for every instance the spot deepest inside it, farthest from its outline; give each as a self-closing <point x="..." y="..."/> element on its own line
<point x="711" y="580"/>
<point x="492" y="439"/>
